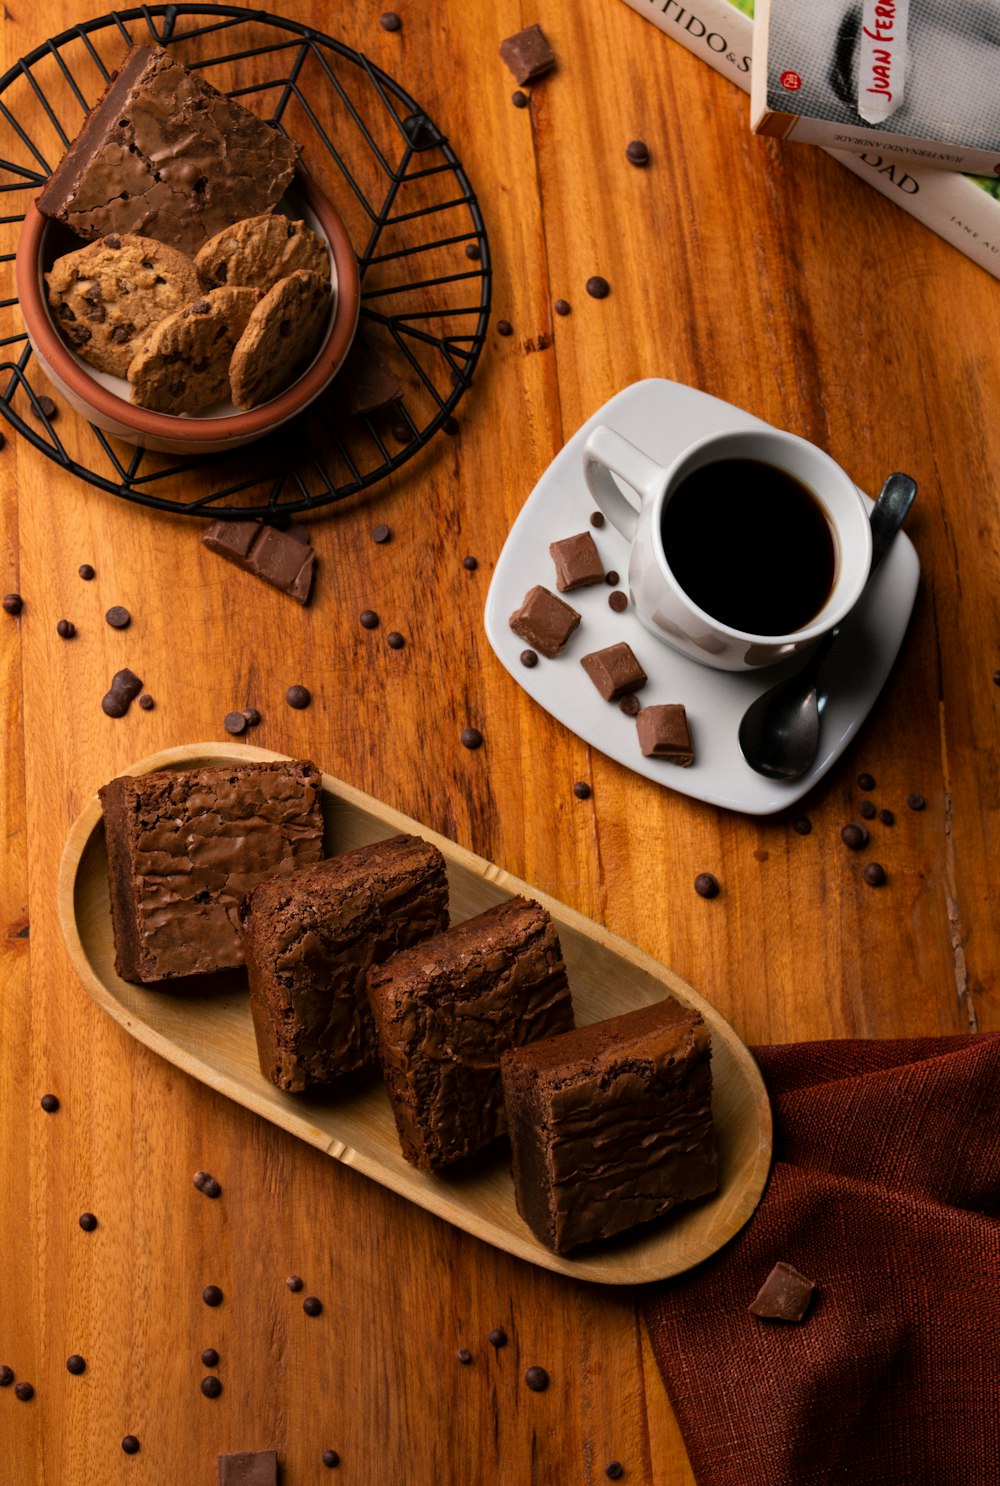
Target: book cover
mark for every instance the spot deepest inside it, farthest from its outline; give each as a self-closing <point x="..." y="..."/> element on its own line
<point x="963" y="209"/>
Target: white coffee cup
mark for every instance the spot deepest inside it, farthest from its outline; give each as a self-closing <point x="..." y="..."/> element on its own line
<point x="636" y="508"/>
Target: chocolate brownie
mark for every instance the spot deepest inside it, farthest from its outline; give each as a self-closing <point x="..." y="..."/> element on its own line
<point x="611" y="1125"/>
<point x="164" y="155"/>
<point x="184" y="848"/>
<point x="445" y="1011"/>
<point x="311" y="936"/>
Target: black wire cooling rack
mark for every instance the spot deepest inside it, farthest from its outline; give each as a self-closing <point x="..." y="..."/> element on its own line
<point x="395" y="179"/>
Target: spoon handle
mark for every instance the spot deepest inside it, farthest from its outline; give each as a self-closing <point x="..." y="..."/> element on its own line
<point x="889" y="512"/>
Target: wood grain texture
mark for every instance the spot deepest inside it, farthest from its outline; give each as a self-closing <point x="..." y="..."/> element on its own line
<point x="760" y="273"/>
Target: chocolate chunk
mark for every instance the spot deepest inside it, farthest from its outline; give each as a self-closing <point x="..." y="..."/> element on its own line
<point x="630" y="705"/>
<point x="598" y="287"/>
<point x="294" y="1283"/>
<point x="784" y="1296"/>
<point x="125" y="687"/>
<point x="887" y="818"/>
<point x="369" y="383"/>
<point x="803" y="825"/>
<point x="211" y="1386"/>
<point x="395" y="640"/>
<point x="86" y="571"/>
<point x="597" y="518"/>
<point x="381" y="533"/>
<point x="13" y="603"/>
<point x="312" y="1305"/>
<point x="470" y="564"/>
<point x="24" y="1391"/>
<point x="276" y="557"/>
<point x="6" y="1376"/>
<point x="854" y="836"/>
<point x="212" y="1295"/>
<point x="298" y="697"/>
<point x="527" y="53"/>
<point x="247" y="1468"/>
<point x="44" y="408"/>
<point x="473" y="251"/>
<point x="916" y="802"/>
<point x="76" y="1364"/>
<point x="663" y="733"/>
<point x="866" y="810"/>
<point x="130" y="1445"/>
<point x="497" y="1337"/>
<point x="874" y="874"/>
<point x="578" y="562"/>
<point x="49" y="1103"/>
<point x="545" y="621"/>
<point x="614" y="1470"/>
<point x="88" y="1222"/>
<point x="235" y="723"/>
<point x="471" y="738"/>
<point x="563" y="307"/>
<point x="504" y="327"/>
<point x="368" y="619"/>
<point x="331" y="1458"/>
<point x="706" y="886"/>
<point x="464" y="1356"/>
<point x="146" y="702"/>
<point x="582" y="789"/>
<point x="537" y="1379"/>
<point x="210" y="1357"/>
<point x="529" y="659"/>
<point x="118" y="618"/>
<point x="618" y="601"/>
<point x="519" y="99"/>
<point x="637" y="152"/>
<point x="614" y="671"/>
<point x="390" y="21"/>
<point x="866" y="782"/>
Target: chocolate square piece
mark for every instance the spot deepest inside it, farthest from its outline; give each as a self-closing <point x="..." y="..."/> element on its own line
<point x="784" y="1296"/>
<point x="528" y="53"/>
<point x="446" y="1010"/>
<point x="614" y="671"/>
<point x="248" y="1468"/>
<point x="578" y="562"/>
<point x="663" y="733"/>
<point x="165" y="155"/>
<point x="544" y="621"/>
<point x="281" y="559"/>
<point x="311" y="937"/>
<point x="184" y="848"/>
<point x="369" y="384"/>
<point x="611" y="1125"/>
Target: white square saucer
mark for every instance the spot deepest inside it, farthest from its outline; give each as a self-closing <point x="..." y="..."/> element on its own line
<point x="663" y="418"/>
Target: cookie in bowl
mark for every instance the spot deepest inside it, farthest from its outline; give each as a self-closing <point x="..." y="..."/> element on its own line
<point x="261" y="250"/>
<point x="282" y="335"/>
<point x="184" y="366"/>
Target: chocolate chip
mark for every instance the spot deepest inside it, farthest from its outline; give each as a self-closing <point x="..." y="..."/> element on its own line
<point x="252" y="716"/>
<point x="597" y="287"/>
<point x="597" y="519"/>
<point x="519" y="99"/>
<point x="368" y="619"/>
<point x="199" y="307"/>
<point x="24" y="1391"/>
<point x="88" y="1222"/>
<point x="472" y="738"/>
<point x="470" y="564"/>
<point x="537" y="1379"/>
<point x="563" y="307"/>
<point x="887" y="818"/>
<point x="86" y="571"/>
<point x="146" y="702"/>
<point x="118" y="618"/>
<point x="867" y="810"/>
<point x="854" y="836"/>
<point x="630" y="705"/>
<point x="611" y="578"/>
<point x="614" y="1470"/>
<point x="874" y="874"/>
<point x="451" y="425"/>
<point x="6" y="1376"/>
<point x="706" y="886"/>
<point x="464" y="1356"/>
<point x="996" y="678"/>
<point x="130" y="1445"/>
<point x="390" y="21"/>
<point x="803" y="825"/>
<point x="211" y="1188"/>
<point x="473" y="251"/>
<point x="529" y="659"/>
<point x="504" y="327"/>
<point x="582" y="790"/>
<point x="637" y="152"/>
<point x="294" y="1283"/>
<point x="618" y="601"/>
<point x="210" y="1357"/>
<point x="76" y="1364"/>
<point x="212" y="1295"/>
<point x="381" y="533"/>
<point x="497" y="1337"/>
<point x="235" y="723"/>
<point x="125" y="687"/>
<point x="200" y="1178"/>
<point x="211" y="1386"/>
<point x="13" y="603"/>
<point x="298" y="697"/>
<point x="866" y="782"/>
<point x="122" y="333"/>
<point x="46" y="408"/>
<point x="916" y="802"/>
<point x="395" y="640"/>
<point x="331" y="1458"/>
<point x="312" y="1305"/>
<point x="49" y="1103"/>
<point x="402" y="432"/>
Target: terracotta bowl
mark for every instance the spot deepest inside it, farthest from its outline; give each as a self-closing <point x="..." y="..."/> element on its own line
<point x="103" y="399"/>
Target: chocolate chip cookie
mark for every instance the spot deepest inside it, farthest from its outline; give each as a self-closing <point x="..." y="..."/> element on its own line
<point x="184" y="365"/>
<point x="106" y="297"/>
<point x="282" y="335"/>
<point x="261" y="250"/>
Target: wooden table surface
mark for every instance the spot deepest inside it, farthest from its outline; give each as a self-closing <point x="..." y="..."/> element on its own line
<point x="765" y="275"/>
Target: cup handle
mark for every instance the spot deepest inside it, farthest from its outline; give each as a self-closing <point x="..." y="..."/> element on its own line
<point x="606" y="453"/>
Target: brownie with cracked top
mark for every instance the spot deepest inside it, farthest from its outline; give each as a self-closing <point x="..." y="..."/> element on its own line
<point x="310" y="938"/>
<point x="446" y="1010"/>
<point x="611" y="1125"/>
<point x="184" y="848"/>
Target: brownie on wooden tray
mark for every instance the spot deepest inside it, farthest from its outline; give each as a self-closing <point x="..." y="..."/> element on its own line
<point x="184" y="848"/>
<point x="311" y="936"/>
<point x="445" y="1011"/>
<point x="611" y="1125"/>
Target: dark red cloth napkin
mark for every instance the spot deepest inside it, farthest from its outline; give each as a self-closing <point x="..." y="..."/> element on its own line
<point x="885" y="1190"/>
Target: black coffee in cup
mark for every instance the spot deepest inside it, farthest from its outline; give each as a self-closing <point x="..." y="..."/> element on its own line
<point x="750" y="545"/>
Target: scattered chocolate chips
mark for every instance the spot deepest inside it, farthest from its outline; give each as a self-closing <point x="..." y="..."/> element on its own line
<point x="854" y="836"/>
<point x="519" y="99"/>
<point x="118" y="617"/>
<point x="88" y="1222"/>
<point x="996" y="678"/>
<point x="298" y="697"/>
<point x="637" y="152"/>
<point x="464" y="1356"/>
<point x="381" y="533"/>
<point x="802" y="825"/>
<point x="401" y="432"/>
<point x="598" y="287"/>
<point x="206" y="1184"/>
<point x="470" y="564"/>
<point x="497" y="1337"/>
<point x="582" y="790"/>
<point x="611" y="578"/>
<point x="252" y="716"/>
<point x="146" y="702"/>
<point x="6" y="1376"/>
<point x="867" y="810"/>
<point x="529" y="659"/>
<point x="235" y="723"/>
<point x="916" y="802"/>
<point x="618" y="601"/>
<point x="630" y="705"/>
<point x="125" y="687"/>
<point x="212" y="1295"/>
<point x="368" y="619"/>
<point x="597" y="518"/>
<point x="450" y="425"/>
<point x="294" y="1283"/>
<point x="395" y="640"/>
<point x="473" y="251"/>
<point x="563" y="307"/>
<point x="537" y="1379"/>
<point x="211" y="1386"/>
<point x="784" y="1296"/>
<point x="866" y="782"/>
<point x="504" y="327"/>
<point x="331" y="1459"/>
<point x="86" y="571"/>
<point x="390" y="21"/>
<point x="44" y="408"/>
<point x="49" y="1103"/>
<point x="706" y="886"/>
<point x="24" y="1391"/>
<point x="614" y="1470"/>
<point x="472" y="738"/>
<point x="874" y="874"/>
<point x="130" y="1445"/>
<point x="887" y="818"/>
<point x="210" y="1357"/>
<point x="13" y="603"/>
<point x="312" y="1305"/>
<point x="76" y="1364"/>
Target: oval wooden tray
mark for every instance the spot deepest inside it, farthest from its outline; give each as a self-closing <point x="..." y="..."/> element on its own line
<point x="212" y="1039"/>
